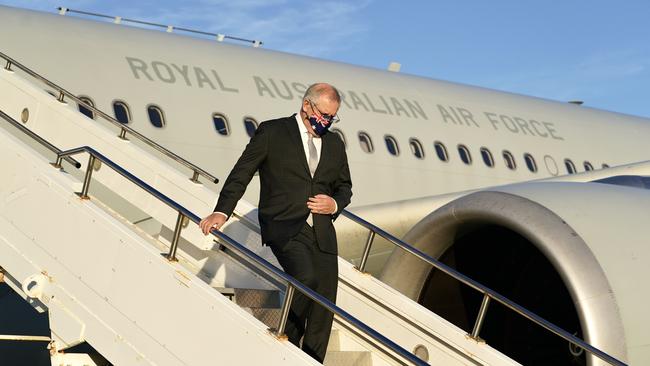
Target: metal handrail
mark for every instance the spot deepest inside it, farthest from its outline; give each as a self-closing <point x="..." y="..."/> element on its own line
<point x="488" y="294"/>
<point x="169" y="28"/>
<point x="251" y="224"/>
<point x="246" y="221"/>
<point x="124" y="129"/>
<point x="26" y="338"/>
<point x="39" y="139"/>
<point x="251" y="257"/>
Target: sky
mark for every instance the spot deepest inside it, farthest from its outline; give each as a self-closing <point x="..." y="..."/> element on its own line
<point x="596" y="51"/>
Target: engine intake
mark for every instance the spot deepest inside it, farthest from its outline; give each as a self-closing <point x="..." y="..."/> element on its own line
<point x="529" y="254"/>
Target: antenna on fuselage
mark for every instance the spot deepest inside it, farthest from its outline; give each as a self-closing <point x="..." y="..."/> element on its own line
<point x="168" y="28"/>
<point x="394" y="66"/>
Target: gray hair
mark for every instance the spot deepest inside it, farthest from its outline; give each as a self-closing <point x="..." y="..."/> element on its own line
<point x="318" y="90"/>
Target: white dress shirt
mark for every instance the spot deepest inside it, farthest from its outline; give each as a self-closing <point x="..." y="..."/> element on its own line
<point x="318" y="142"/>
<point x="304" y="136"/>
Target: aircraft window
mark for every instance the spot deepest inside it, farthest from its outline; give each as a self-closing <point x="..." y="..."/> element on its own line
<point x="570" y="167"/>
<point x="250" y="125"/>
<point x="391" y="145"/>
<point x="465" y="156"/>
<point x="156" y="116"/>
<point x="551" y="165"/>
<point x="416" y="148"/>
<point x="85" y="110"/>
<point x="605" y="166"/>
<point x="588" y="166"/>
<point x="366" y="142"/>
<point x="441" y="150"/>
<point x="509" y="159"/>
<point x="340" y="134"/>
<point x="487" y="157"/>
<point x="221" y="124"/>
<point x="530" y="162"/>
<point x="122" y="112"/>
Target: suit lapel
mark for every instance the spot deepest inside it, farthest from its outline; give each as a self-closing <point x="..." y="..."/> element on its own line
<point x="296" y="140"/>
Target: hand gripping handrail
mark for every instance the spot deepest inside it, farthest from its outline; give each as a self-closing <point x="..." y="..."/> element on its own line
<point x="382" y="343"/>
<point x="488" y="294"/>
<point x="124" y="129"/>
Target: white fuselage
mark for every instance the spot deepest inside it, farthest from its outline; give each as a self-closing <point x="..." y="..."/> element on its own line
<point x="192" y="79"/>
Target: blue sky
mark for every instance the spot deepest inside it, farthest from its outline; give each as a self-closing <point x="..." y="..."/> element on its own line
<point x="597" y="51"/>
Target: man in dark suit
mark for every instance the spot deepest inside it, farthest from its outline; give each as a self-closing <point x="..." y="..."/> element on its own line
<point x="304" y="185"/>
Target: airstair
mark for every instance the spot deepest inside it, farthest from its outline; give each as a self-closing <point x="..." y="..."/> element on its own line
<point x="98" y="229"/>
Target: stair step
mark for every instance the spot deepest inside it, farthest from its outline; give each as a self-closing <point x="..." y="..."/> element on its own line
<point x="270" y="317"/>
<point x="341" y="341"/>
<point x="253" y="298"/>
<point x="348" y="358"/>
<point x="335" y="343"/>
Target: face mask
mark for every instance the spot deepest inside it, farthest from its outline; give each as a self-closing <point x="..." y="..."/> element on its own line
<point x="320" y="125"/>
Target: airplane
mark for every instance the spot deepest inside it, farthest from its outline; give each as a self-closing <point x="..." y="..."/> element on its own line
<point x="540" y="200"/>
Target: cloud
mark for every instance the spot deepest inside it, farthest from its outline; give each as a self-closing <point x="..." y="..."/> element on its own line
<point x="296" y="26"/>
<point x="614" y="64"/>
<point x="591" y="78"/>
<point x="49" y="5"/>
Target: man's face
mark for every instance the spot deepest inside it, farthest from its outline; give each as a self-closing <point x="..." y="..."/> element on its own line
<point x="325" y="107"/>
<point x="322" y="108"/>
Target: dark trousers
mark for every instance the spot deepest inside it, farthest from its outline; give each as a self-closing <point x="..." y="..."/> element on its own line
<point x="301" y="258"/>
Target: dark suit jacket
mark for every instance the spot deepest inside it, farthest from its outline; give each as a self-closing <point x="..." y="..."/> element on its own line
<point x="285" y="183"/>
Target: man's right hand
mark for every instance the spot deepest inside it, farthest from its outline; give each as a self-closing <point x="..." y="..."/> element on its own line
<point x="213" y="221"/>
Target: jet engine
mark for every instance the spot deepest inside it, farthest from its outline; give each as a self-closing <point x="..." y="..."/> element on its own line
<point x="576" y="254"/>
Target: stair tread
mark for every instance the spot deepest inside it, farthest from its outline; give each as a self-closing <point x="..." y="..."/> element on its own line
<point x="348" y="358"/>
<point x="253" y="298"/>
<point x="270" y="317"/>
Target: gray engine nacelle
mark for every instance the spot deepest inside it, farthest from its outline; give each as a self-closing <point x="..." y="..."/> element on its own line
<point x="576" y="254"/>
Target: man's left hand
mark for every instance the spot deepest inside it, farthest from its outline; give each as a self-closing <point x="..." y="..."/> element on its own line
<point x="322" y="204"/>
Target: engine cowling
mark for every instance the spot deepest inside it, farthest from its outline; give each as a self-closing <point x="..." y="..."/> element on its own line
<point x="576" y="254"/>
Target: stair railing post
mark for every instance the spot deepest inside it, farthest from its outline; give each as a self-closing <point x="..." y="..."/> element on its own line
<point x="58" y="162"/>
<point x="171" y="256"/>
<point x="284" y="315"/>
<point x="8" y="65"/>
<point x="195" y="177"/>
<point x="481" y="317"/>
<point x="89" y="173"/>
<point x="122" y="134"/>
<point x="366" y="251"/>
